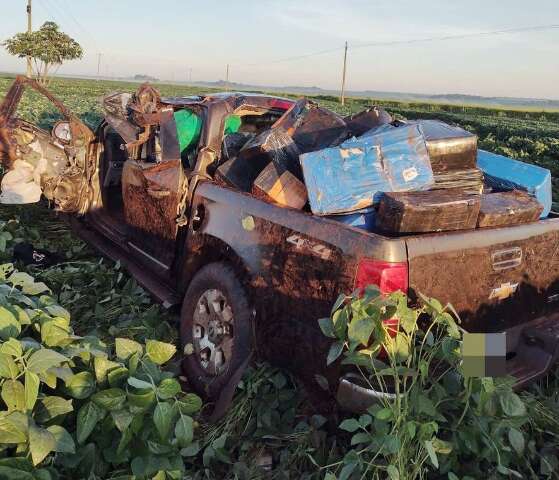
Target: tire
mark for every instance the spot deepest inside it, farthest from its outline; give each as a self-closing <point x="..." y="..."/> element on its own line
<point x="215" y="311"/>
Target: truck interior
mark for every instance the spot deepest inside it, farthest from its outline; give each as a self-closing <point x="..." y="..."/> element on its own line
<point x="239" y="128"/>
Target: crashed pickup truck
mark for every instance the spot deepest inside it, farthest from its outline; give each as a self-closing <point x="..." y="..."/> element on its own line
<point x="252" y="276"/>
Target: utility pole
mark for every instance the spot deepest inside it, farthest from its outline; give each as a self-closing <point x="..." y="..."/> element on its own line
<point x="227" y="79"/>
<point x="190" y="75"/>
<point x="99" y="55"/>
<point x="342" y="96"/>
<point x="29" y="30"/>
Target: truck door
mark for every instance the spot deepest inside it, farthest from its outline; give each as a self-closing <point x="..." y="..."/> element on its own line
<point x="152" y="187"/>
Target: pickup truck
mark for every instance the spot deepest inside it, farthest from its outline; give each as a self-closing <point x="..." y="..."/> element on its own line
<point x="253" y="277"/>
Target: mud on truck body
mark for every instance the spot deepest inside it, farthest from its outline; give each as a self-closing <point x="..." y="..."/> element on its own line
<point x="253" y="277"/>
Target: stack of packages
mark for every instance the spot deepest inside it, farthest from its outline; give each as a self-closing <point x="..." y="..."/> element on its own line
<point x="268" y="165"/>
<point x="371" y="172"/>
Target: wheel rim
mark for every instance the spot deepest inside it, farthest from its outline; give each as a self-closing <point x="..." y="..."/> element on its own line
<point x="212" y="332"/>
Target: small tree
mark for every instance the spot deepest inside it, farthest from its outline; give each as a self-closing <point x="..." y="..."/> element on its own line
<point x="47" y="46"/>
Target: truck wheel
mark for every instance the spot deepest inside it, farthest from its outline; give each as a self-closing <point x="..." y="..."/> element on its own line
<point x="215" y="328"/>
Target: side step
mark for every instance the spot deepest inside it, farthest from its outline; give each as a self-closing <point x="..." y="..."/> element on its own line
<point x="156" y="287"/>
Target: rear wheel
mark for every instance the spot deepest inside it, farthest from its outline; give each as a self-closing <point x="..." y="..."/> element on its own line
<point x="215" y="328"/>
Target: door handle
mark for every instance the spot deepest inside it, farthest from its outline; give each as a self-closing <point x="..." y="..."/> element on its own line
<point x="158" y="193"/>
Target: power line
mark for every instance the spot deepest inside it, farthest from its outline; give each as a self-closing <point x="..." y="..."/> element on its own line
<point x="289" y="59"/>
<point x="67" y="10"/>
<point x="457" y="37"/>
<point x="405" y="42"/>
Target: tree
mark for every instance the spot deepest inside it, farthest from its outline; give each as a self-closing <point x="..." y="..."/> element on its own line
<point x="47" y="46"/>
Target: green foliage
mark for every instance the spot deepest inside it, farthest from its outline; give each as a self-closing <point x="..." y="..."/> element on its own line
<point x="47" y="46"/>
<point x="70" y="403"/>
<point x="431" y="421"/>
<point x="101" y="298"/>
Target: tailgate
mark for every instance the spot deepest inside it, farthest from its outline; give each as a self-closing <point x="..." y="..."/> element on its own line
<point x="496" y="279"/>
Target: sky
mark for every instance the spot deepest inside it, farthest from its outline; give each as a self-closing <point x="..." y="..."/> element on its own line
<point x="182" y="39"/>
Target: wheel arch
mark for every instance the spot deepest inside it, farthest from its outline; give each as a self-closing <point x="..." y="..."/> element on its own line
<point x="208" y="249"/>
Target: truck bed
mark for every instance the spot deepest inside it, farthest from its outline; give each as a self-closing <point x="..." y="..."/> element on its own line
<point x="497" y="279"/>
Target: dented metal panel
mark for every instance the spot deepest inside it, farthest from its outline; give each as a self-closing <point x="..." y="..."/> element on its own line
<point x="68" y="187"/>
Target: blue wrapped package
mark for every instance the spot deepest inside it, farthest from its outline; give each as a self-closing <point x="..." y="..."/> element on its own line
<point x="404" y="156"/>
<point x="503" y="173"/>
<point x="341" y="180"/>
<point x="353" y="176"/>
<point x="364" y="219"/>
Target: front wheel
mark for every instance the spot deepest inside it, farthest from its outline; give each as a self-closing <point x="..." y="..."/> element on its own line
<point x="215" y="328"/>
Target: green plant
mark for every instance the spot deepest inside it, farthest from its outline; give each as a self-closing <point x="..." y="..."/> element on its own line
<point x="264" y="430"/>
<point x="47" y="46"/>
<point x="71" y="403"/>
<point x="432" y="421"/>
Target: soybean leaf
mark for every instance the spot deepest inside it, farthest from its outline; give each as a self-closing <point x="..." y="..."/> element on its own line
<point x="335" y="351"/>
<point x="31" y="389"/>
<point x="110" y="399"/>
<point x="9" y="326"/>
<point x="516" y="439"/>
<point x="350" y="425"/>
<point x="41" y="360"/>
<point x="13" y="394"/>
<point x="81" y="385"/>
<point x="327" y="327"/>
<point x="13" y="428"/>
<point x="160" y="352"/>
<point x="168" y="388"/>
<point x="393" y="472"/>
<point x="88" y="417"/>
<point x="52" y="407"/>
<point x="360" y="329"/>
<point x="189" y="404"/>
<point x="384" y="414"/>
<point x="102" y="366"/>
<point x="512" y="404"/>
<point x="125" y="348"/>
<point x="137" y="383"/>
<point x="122" y="419"/>
<point x="431" y="452"/>
<point x="163" y="419"/>
<point x="184" y="430"/>
<point x="64" y="441"/>
<point x="41" y="443"/>
<point x="117" y="376"/>
<point x="8" y="367"/>
<point x="12" y="347"/>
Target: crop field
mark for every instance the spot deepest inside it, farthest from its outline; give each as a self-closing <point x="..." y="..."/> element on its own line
<point x="105" y="421"/>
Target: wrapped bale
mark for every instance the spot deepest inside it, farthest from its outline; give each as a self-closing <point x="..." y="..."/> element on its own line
<point x="468" y="181"/>
<point x="312" y="127"/>
<point x="278" y="185"/>
<point x="450" y="148"/>
<point x="233" y="143"/>
<point x="508" y="208"/>
<point x="271" y="145"/>
<point x="503" y="173"/>
<point x="364" y="219"/>
<point x="434" y="211"/>
<point x="352" y="177"/>
<point x="367" y="120"/>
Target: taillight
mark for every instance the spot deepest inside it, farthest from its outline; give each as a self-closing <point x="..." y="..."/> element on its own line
<point x="388" y="276"/>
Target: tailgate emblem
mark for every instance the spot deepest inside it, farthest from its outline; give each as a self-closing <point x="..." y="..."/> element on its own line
<point x="505" y="259"/>
<point x="504" y="291"/>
